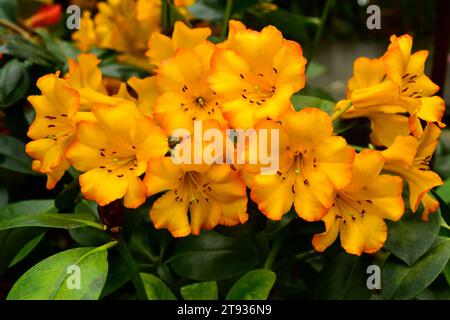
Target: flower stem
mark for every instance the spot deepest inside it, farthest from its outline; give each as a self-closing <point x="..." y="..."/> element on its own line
<point x="339" y="113"/>
<point x="226" y="17"/>
<point x="14" y="27"/>
<point x="165" y="16"/>
<point x="319" y="31"/>
<point x="132" y="269"/>
<point x="305" y="255"/>
<point x="278" y="243"/>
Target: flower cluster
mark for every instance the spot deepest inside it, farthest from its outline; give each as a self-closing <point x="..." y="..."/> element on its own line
<point x="124" y="26"/>
<point x="121" y="140"/>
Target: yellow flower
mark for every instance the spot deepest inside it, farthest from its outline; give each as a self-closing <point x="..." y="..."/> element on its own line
<point x="54" y="126"/>
<point x="121" y="25"/>
<point x="185" y="93"/>
<point x="212" y="193"/>
<point x="85" y="37"/>
<point x="359" y="208"/>
<point x="146" y="91"/>
<point x="257" y="73"/>
<point x="391" y="85"/>
<point x="86" y="77"/>
<point x="410" y="158"/>
<point x="113" y="151"/>
<point x="162" y="47"/>
<point x="313" y="164"/>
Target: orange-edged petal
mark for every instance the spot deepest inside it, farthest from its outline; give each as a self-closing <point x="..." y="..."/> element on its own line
<point x="170" y="214"/>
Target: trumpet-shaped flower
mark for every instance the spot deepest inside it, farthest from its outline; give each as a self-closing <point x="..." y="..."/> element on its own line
<point x="197" y="195"/>
<point x="313" y="164"/>
<point x="113" y="151"/>
<point x="185" y="93"/>
<point x="256" y="74"/>
<point x="53" y="127"/>
<point x="162" y="47"/>
<point x="359" y="208"/>
<point x="121" y="25"/>
<point x="410" y="158"/>
<point x="85" y="77"/>
<point x="393" y="84"/>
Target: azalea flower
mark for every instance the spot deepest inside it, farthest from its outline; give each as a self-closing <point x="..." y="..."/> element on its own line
<point x="121" y="25"/>
<point x="359" y="208"/>
<point x="162" y="47"/>
<point x="113" y="151"/>
<point x="313" y="164"/>
<point x="256" y="74"/>
<point x="410" y="158"/>
<point x="185" y="93"/>
<point x="383" y="89"/>
<point x="196" y="196"/>
<point x="85" y="77"/>
<point x="57" y="112"/>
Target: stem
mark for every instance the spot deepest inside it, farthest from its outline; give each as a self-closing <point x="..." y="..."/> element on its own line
<point x="274" y="251"/>
<point x="305" y="255"/>
<point x="14" y="27"/>
<point x="339" y="113"/>
<point x="132" y="269"/>
<point x="226" y="17"/>
<point x="165" y="16"/>
<point x="319" y="31"/>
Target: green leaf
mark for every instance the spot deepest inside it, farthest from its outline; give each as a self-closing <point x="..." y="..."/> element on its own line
<point x="50" y="278"/>
<point x="12" y="242"/>
<point x="8" y="10"/>
<point x="444" y="191"/>
<point x="4" y="194"/>
<point x="447" y="272"/>
<point x="14" y="82"/>
<point x="200" y="291"/>
<point x="117" y="276"/>
<point x="24" y="49"/>
<point x="315" y="70"/>
<point x="13" y="156"/>
<point x="26" y="214"/>
<point x="27" y="249"/>
<point x="411" y="237"/>
<point x="155" y="288"/>
<point x="400" y="281"/>
<point x="300" y="102"/>
<point x="254" y="285"/>
<point x="221" y="256"/>
<point x="344" y="277"/>
<point x="114" y="69"/>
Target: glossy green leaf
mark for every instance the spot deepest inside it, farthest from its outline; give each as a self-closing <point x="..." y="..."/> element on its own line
<point x="13" y="156"/>
<point x="27" y="249"/>
<point x="400" y="281"/>
<point x="26" y="214"/>
<point x="300" y="102"/>
<point x="14" y="82"/>
<point x="411" y="237"/>
<point x="8" y="10"/>
<point x="200" y="291"/>
<point x="254" y="285"/>
<point x="12" y="242"/>
<point x="155" y="288"/>
<point x="221" y="256"/>
<point x="344" y="277"/>
<point x="55" y="279"/>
